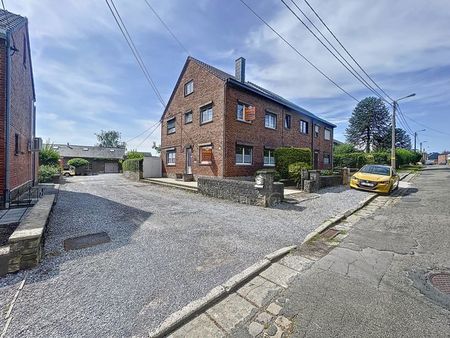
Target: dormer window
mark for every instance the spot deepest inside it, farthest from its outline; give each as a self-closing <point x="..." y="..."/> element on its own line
<point x="189" y="88"/>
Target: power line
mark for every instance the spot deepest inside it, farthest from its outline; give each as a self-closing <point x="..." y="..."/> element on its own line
<point x="167" y="28"/>
<point x="345" y="49"/>
<point x="135" y="137"/>
<point x="151" y="133"/>
<point x="351" y="70"/>
<point x="134" y="50"/>
<point x="297" y="51"/>
<point x="428" y="127"/>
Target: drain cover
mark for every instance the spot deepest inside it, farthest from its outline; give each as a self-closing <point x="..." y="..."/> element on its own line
<point x="330" y="233"/>
<point x="86" y="241"/>
<point x="441" y="281"/>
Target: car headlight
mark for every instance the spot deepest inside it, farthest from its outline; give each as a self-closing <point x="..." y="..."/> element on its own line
<point x="355" y="179"/>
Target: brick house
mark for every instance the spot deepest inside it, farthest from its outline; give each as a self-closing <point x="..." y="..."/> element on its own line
<point x="101" y="159"/>
<point x="18" y="158"/>
<point x="444" y="158"/>
<point x="217" y="124"/>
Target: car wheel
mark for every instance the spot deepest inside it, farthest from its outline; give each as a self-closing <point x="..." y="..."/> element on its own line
<point x="66" y="175"/>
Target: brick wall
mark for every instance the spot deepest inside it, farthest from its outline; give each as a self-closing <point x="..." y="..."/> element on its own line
<point x="207" y="88"/>
<point x="2" y="116"/>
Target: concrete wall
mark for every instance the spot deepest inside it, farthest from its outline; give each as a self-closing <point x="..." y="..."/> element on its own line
<point x="330" y="181"/>
<point x="152" y="167"/>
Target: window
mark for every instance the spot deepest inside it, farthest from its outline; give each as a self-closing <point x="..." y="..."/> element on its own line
<point x="316" y="130"/>
<point x="326" y="158"/>
<point x="271" y="120"/>
<point x="16" y="144"/>
<point x="171" y="126"/>
<point x="303" y="127"/>
<point x="171" y="155"/>
<point x="189" y="88"/>
<point x="287" y="121"/>
<point x="205" y="155"/>
<point x="327" y="135"/>
<point x="206" y="114"/>
<point x="244" y="155"/>
<point x="188" y="117"/>
<point x="269" y="160"/>
<point x="240" y="112"/>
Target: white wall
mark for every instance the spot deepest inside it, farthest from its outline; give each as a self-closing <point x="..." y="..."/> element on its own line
<point x="152" y="167"/>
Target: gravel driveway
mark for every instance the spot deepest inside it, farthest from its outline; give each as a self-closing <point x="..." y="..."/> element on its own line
<point x="168" y="247"/>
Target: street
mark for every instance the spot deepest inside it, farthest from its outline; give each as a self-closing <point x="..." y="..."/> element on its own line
<point x="168" y="247"/>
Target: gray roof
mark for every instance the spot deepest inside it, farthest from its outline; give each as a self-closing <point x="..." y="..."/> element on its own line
<point x="9" y="21"/>
<point x="258" y="90"/>
<point x="89" y="151"/>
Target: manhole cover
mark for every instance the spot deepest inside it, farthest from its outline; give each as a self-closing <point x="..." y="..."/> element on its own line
<point x="330" y="233"/>
<point x="441" y="281"/>
<point x="86" y="241"/>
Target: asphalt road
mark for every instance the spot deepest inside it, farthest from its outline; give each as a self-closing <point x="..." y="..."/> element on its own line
<point x="167" y="248"/>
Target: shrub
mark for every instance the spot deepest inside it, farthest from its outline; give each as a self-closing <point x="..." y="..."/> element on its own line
<point x="404" y="156"/>
<point x="78" y="162"/>
<point x="381" y="157"/>
<point x="344" y="148"/>
<point x="133" y="164"/>
<point x="48" y="155"/>
<point x="134" y="154"/>
<point x="351" y="160"/>
<point x="286" y="156"/>
<point x="295" y="170"/>
<point x="46" y="173"/>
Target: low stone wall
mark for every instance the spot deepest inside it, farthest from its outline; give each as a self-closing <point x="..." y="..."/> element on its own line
<point x="330" y="181"/>
<point x="233" y="190"/>
<point x="133" y="175"/>
<point x="26" y="242"/>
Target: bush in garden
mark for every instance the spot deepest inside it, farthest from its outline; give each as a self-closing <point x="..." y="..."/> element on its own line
<point x="48" y="155"/>
<point x="46" y="173"/>
<point x="295" y="170"/>
<point x="132" y="165"/>
<point x="78" y="162"/>
<point x="285" y="156"/>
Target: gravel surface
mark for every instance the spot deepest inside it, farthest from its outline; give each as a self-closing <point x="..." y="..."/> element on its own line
<point x="168" y="247"/>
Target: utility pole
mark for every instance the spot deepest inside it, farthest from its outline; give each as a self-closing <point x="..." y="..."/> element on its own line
<point x="415" y="139"/>
<point x="394" y="105"/>
<point x="393" y="135"/>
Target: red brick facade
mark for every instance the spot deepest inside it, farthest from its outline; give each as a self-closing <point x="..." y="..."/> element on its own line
<point x="22" y="169"/>
<point x="225" y="131"/>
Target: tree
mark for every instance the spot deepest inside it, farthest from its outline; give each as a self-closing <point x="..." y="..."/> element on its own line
<point x="156" y="147"/>
<point x="48" y="155"/>
<point x="344" y="148"/>
<point x="134" y="154"/>
<point x="402" y="140"/>
<point x="110" y="138"/>
<point x="368" y="124"/>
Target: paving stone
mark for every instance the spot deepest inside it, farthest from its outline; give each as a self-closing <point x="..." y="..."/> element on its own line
<point x="283" y="323"/>
<point x="231" y="311"/>
<point x="201" y="326"/>
<point x="272" y="330"/>
<point x="264" y="317"/>
<point x="274" y="308"/>
<point x="255" y="328"/>
<point x="298" y="263"/>
<point x="258" y="290"/>
<point x="279" y="274"/>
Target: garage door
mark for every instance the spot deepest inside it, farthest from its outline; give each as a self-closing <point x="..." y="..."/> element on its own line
<point x="111" y="167"/>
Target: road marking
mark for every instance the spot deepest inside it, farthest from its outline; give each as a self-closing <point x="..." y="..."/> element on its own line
<point x="8" y="316"/>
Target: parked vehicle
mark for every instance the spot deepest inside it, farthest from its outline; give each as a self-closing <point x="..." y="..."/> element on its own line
<point x="429" y="162"/>
<point x="377" y="178"/>
<point x="68" y="170"/>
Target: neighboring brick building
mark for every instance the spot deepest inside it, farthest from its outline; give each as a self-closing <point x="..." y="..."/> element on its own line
<point x="18" y="158"/>
<point x="205" y="130"/>
<point x="101" y="159"/>
<point x="444" y="158"/>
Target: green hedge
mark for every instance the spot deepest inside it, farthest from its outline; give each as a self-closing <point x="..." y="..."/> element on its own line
<point x="78" y="162"/>
<point x="286" y="156"/>
<point x="295" y="170"/>
<point x="359" y="159"/>
<point x="46" y="173"/>
<point x="133" y="164"/>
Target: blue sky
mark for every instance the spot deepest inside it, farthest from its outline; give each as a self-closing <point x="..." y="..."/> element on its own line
<point x="87" y="79"/>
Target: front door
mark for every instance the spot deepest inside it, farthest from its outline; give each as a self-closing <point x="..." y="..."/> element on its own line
<point x="188" y="161"/>
<point x="316" y="159"/>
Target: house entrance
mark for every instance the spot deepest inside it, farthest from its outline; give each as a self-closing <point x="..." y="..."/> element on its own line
<point x="188" y="161"/>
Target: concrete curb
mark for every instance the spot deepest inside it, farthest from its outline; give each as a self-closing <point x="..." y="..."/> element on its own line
<point x="194" y="308"/>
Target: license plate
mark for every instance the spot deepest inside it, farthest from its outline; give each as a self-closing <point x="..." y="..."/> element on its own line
<point x="367" y="184"/>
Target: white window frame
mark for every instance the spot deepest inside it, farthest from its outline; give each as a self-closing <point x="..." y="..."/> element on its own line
<point x="188" y="88"/>
<point x="207" y="108"/>
<point x="268" y="118"/>
<point x="243" y="162"/>
<point x="327" y="131"/>
<point x="270" y="158"/>
<point x="328" y="157"/>
<point x="304" y="127"/>
<point x="290" y="121"/>
<point x="200" y="154"/>
<point x="171" y="160"/>
<point x="173" y="129"/>
<point x="241" y="118"/>
<point x="316" y="130"/>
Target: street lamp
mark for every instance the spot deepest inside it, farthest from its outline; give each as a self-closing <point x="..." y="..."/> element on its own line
<point x="394" y="105"/>
<point x="415" y="138"/>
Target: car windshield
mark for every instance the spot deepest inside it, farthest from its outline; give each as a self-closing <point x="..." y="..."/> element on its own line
<point x="376" y="169"/>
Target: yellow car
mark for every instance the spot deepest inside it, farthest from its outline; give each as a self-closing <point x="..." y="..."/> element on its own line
<point x="376" y="178"/>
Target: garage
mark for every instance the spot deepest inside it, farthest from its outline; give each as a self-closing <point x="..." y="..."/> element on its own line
<point x="111" y="167"/>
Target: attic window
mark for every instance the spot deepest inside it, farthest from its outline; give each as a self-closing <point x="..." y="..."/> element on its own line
<point x="189" y="88"/>
<point x="111" y="150"/>
<point x="55" y="147"/>
<point x="85" y="149"/>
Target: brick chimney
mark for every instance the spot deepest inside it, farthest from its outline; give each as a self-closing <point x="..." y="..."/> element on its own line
<point x="240" y="69"/>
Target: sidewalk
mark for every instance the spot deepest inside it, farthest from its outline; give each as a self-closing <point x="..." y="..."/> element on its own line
<point x="365" y="277"/>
